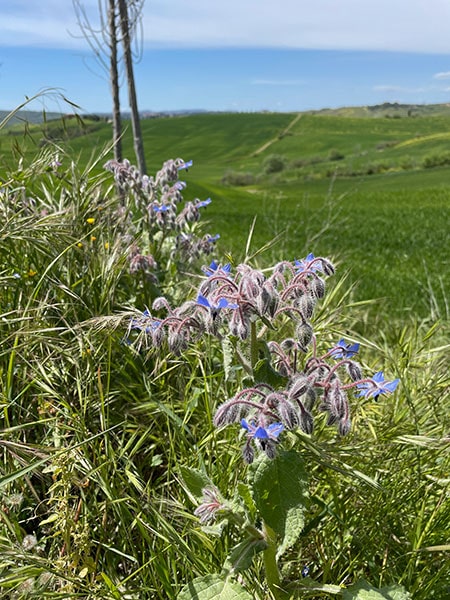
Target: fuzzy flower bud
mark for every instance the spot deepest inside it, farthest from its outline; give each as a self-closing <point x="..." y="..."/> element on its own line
<point x="159" y="303"/>
<point x="327" y="267"/>
<point x="317" y="287"/>
<point x="306" y="303"/>
<point x="306" y="421"/>
<point x="354" y="370"/>
<point x="288" y="414"/>
<point x="248" y="454"/>
<point x="344" y="426"/>
<point x="304" y="334"/>
<point x="299" y="386"/>
<point x="227" y="413"/>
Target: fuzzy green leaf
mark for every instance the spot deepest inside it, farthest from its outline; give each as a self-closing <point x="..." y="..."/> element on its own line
<point x="245" y="496"/>
<point x="364" y="591"/>
<point x="195" y="481"/>
<point x="280" y="492"/>
<point x="264" y="372"/>
<point x="242" y="554"/>
<point x="213" y="587"/>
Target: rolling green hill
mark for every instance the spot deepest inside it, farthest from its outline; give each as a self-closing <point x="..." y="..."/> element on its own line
<point x="27" y="116"/>
<point x="369" y="189"/>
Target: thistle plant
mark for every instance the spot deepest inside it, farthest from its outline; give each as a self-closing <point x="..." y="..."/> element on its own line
<point x="264" y="321"/>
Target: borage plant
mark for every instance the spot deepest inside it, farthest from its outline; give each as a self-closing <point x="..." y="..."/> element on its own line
<point x="163" y="230"/>
<point x="287" y="383"/>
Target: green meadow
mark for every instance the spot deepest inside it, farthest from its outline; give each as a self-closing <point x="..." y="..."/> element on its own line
<point x="107" y="435"/>
<point x="369" y="191"/>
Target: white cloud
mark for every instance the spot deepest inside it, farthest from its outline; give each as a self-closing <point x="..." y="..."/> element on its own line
<point x="443" y="75"/>
<point x="402" y="25"/>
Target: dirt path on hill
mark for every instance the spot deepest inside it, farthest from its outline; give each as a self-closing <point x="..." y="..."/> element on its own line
<point x="279" y="136"/>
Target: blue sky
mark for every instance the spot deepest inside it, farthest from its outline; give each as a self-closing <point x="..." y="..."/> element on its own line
<point x="244" y="55"/>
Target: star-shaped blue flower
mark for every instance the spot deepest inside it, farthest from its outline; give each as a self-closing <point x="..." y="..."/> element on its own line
<point x="215" y="309"/>
<point x="185" y="165"/>
<point x="343" y="350"/>
<point x="271" y="432"/>
<point x="215" y="268"/>
<point x="376" y="386"/>
<point x="203" y="203"/>
<point x="305" y="264"/>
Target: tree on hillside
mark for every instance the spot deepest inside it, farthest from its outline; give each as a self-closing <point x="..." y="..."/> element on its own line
<point x="118" y="24"/>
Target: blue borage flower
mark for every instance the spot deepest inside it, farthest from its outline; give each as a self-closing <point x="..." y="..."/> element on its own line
<point x="263" y="434"/>
<point x="305" y="264"/>
<point x="215" y="308"/>
<point x="343" y="350"/>
<point x="185" y="165"/>
<point x="203" y="203"/>
<point x="377" y="385"/>
<point x="265" y="437"/>
<point x="145" y="322"/>
<point x="162" y="208"/>
<point x="213" y="238"/>
<point x="215" y="268"/>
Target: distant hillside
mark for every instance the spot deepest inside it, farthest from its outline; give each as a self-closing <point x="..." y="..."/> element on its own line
<point x="30" y="116"/>
<point x="387" y="110"/>
<point x="238" y="148"/>
<point x="392" y="110"/>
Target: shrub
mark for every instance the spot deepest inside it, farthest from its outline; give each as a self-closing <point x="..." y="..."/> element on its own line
<point x="335" y="155"/>
<point x="436" y="160"/>
<point x="275" y="163"/>
<point x="238" y="179"/>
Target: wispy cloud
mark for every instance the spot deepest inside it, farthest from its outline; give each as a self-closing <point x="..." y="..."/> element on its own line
<point x="369" y="25"/>
<point x="278" y="82"/>
<point x="398" y="88"/>
<point x="442" y="75"/>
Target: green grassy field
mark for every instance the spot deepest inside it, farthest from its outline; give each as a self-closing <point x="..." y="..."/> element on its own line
<point x="389" y="226"/>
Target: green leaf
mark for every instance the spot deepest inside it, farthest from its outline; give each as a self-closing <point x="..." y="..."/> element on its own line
<point x="112" y="588"/>
<point x="306" y="586"/>
<point x="364" y="591"/>
<point x="213" y="587"/>
<point x="195" y="481"/>
<point x="264" y="372"/>
<point x="242" y="554"/>
<point x="295" y="522"/>
<point x="280" y="492"/>
<point x="245" y="495"/>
